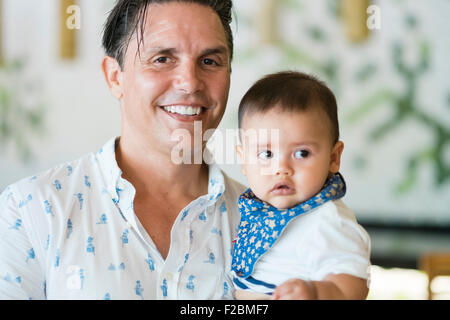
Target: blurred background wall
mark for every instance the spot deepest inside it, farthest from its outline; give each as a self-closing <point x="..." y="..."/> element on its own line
<point x="386" y="61"/>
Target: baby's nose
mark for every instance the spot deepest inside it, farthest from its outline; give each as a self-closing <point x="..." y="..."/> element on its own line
<point x="284" y="170"/>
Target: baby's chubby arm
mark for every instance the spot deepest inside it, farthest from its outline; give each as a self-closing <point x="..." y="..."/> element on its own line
<point x="334" y="286"/>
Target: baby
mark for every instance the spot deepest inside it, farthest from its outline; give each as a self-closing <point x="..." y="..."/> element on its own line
<point x="296" y="238"/>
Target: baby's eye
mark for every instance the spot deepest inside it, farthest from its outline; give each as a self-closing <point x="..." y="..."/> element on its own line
<point x="266" y="154"/>
<point x="299" y="154"/>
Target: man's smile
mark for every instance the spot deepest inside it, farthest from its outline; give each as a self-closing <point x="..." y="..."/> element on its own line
<point x="184" y="112"/>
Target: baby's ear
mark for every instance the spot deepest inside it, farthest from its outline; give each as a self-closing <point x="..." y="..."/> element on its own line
<point x="335" y="158"/>
<point x="240" y="152"/>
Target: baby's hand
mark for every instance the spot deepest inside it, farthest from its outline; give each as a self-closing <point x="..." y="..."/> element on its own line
<point x="295" y="289"/>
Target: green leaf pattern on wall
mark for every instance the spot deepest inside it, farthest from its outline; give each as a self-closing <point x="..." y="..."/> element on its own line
<point x="21" y="113"/>
<point x="404" y="103"/>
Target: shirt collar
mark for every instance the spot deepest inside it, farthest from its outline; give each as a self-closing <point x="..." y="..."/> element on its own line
<point x="106" y="157"/>
<point x="216" y="181"/>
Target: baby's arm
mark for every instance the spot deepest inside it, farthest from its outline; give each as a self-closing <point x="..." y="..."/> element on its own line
<point x="334" y="286"/>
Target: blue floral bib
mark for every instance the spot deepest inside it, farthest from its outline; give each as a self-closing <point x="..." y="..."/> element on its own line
<point x="262" y="224"/>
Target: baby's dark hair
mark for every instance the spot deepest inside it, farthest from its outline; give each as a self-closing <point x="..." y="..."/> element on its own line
<point x="292" y="91"/>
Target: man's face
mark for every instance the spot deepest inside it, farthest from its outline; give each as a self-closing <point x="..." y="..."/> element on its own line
<point x="181" y="75"/>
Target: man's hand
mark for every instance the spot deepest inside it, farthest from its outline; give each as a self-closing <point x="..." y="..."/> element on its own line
<point x="334" y="286"/>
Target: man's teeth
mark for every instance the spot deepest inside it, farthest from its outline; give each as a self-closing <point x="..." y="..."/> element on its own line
<point x="184" y="110"/>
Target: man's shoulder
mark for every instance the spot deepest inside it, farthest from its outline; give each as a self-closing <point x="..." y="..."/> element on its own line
<point x="54" y="177"/>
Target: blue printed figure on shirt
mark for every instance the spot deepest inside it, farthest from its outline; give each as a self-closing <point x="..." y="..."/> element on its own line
<point x="185" y="213"/>
<point x="103" y="219"/>
<point x="23" y="203"/>
<point x="138" y="289"/>
<point x="186" y="257"/>
<point x="81" y="273"/>
<point x="90" y="247"/>
<point x="112" y="267"/>
<point x="17" y="224"/>
<point x="48" y="208"/>
<point x="86" y="181"/>
<point x="30" y="254"/>
<point x="57" y="185"/>
<point x="118" y="191"/>
<point x="190" y="284"/>
<point x="223" y="208"/>
<point x="150" y="262"/>
<point x="225" y="289"/>
<point x="56" y="264"/>
<point x="69" y="170"/>
<point x="124" y="237"/>
<point x="69" y="228"/>
<point x="9" y="196"/>
<point x="107" y="296"/>
<point x="213" y="182"/>
<point x="202" y="216"/>
<point x="80" y="199"/>
<point x="211" y="259"/>
<point x="214" y="230"/>
<point x="164" y="288"/>
<point x="47" y="244"/>
<point x="8" y="278"/>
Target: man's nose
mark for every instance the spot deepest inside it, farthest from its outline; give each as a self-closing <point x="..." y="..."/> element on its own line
<point x="188" y="78"/>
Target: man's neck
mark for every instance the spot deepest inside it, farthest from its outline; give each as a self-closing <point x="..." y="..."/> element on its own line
<point x="151" y="171"/>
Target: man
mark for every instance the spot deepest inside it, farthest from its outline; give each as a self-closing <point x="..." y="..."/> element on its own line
<point x="127" y="222"/>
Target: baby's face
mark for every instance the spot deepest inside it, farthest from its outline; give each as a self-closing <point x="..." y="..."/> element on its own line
<point x="290" y="167"/>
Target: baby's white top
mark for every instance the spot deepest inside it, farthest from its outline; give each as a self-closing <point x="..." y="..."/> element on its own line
<point x="327" y="240"/>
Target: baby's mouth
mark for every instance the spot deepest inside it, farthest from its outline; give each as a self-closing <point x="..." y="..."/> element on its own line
<point x="282" y="188"/>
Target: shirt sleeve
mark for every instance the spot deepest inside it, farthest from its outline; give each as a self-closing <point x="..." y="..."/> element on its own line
<point x="339" y="244"/>
<point x="20" y="273"/>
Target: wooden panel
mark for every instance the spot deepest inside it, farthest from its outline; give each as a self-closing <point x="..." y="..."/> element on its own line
<point x="68" y="43"/>
<point x="354" y="15"/>
<point x="1" y="32"/>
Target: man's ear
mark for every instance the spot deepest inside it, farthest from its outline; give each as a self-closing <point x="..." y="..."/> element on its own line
<point x="113" y="76"/>
<point x="335" y="158"/>
<point x="240" y="152"/>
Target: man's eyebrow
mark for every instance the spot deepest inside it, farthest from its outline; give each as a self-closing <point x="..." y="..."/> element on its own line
<point x="169" y="51"/>
<point x="216" y="50"/>
<point x="161" y="50"/>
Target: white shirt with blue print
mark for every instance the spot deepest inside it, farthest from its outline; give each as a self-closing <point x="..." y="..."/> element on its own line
<point x="71" y="233"/>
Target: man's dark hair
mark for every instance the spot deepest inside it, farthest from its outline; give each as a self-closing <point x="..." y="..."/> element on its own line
<point x="128" y="17"/>
<point x="291" y="91"/>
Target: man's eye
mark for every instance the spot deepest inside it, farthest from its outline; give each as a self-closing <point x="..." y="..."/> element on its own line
<point x="299" y="154"/>
<point x="210" y="62"/>
<point x="162" y="59"/>
<point x="266" y="154"/>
